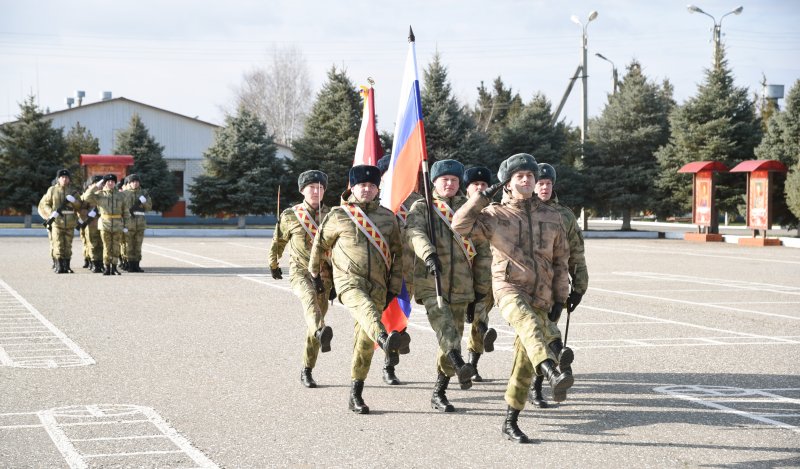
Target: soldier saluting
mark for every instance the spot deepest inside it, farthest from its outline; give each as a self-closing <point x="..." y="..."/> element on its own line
<point x="114" y="211"/>
<point x="59" y="207"/>
<point x="367" y="258"/>
<point x="297" y="227"/>
<point x="529" y="275"/>
<point x="141" y="202"/>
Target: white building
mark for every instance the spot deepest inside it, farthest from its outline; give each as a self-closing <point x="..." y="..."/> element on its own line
<point x="184" y="138"/>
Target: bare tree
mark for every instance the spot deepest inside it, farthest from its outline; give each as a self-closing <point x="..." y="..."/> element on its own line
<point x="279" y="94"/>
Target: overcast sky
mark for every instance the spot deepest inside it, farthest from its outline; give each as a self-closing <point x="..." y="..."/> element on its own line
<point x="185" y="56"/>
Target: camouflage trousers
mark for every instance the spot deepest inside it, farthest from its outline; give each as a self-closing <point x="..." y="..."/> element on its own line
<point x="448" y="324"/>
<point x="61" y="241"/>
<point x="475" y="342"/>
<point x="111" y="246"/>
<point x="315" y="306"/>
<point x="368" y="327"/>
<point x="530" y="345"/>
<point x="93" y="243"/>
<point x="133" y="245"/>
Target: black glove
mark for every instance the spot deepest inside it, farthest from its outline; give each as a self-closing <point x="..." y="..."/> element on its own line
<point x="573" y="301"/>
<point x="318" y="285"/>
<point x="433" y="264"/>
<point x="389" y="298"/>
<point x="332" y="294"/>
<point x="555" y="312"/>
<point x="492" y="190"/>
<point x="470" y="312"/>
<point x="277" y="273"/>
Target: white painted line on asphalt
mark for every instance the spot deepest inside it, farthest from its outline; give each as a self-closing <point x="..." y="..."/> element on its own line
<point x="9" y="356"/>
<point x="754" y="303"/>
<point x="148" y="251"/>
<point x="737" y="284"/>
<point x="691" y="254"/>
<point x="60" y="424"/>
<point x="707" y="396"/>
<point x="696" y="303"/>
<point x="256" y="248"/>
<point x="185" y="253"/>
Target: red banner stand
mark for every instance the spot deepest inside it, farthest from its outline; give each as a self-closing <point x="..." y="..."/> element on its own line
<point x="704" y="210"/>
<point x="759" y="199"/>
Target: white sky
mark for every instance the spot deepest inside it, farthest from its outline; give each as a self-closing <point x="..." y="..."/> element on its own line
<point x="185" y="56"/>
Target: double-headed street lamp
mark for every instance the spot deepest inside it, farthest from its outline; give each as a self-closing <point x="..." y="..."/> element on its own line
<point x="613" y="71"/>
<point x="584" y="51"/>
<point x="717" y="27"/>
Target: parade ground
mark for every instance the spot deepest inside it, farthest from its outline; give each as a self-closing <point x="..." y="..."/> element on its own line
<point x="687" y="355"/>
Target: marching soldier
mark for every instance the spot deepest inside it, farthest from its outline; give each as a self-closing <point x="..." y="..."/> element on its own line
<point x="389" y="375"/>
<point x="93" y="243"/>
<point x="141" y="202"/>
<point x="367" y="259"/>
<point x="529" y="276"/>
<point x="59" y="207"/>
<point x="123" y="242"/>
<point x="114" y="218"/>
<point x="452" y="256"/>
<point x="297" y="227"/>
<point x="578" y="272"/>
<point x="481" y="337"/>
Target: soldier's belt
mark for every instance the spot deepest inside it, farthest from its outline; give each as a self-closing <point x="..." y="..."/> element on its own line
<point x="110" y="217"/>
<point x="138" y="213"/>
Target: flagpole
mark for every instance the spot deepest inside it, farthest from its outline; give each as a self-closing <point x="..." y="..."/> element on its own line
<point x="437" y="275"/>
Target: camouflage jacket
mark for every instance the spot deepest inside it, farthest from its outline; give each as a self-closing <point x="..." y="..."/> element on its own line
<point x="356" y="262"/>
<point x="55" y="198"/>
<point x="138" y="207"/>
<point x="289" y="230"/>
<point x="528" y="243"/>
<point x="409" y="259"/>
<point x="458" y="281"/>
<point x="114" y="208"/>
<point x="577" y="260"/>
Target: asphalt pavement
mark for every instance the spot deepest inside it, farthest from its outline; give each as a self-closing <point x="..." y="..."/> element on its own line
<point x="687" y="355"/>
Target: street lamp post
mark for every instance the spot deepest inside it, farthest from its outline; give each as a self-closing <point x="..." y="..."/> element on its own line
<point x="717" y="27"/>
<point x="584" y="51"/>
<point x="614" y="76"/>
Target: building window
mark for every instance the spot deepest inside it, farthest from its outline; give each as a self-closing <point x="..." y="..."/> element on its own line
<point x="177" y="177"/>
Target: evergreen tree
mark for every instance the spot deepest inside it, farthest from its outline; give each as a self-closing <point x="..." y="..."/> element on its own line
<point x="719" y="124"/>
<point x="148" y="163"/>
<point x="450" y="131"/>
<point x="31" y="151"/>
<point x="782" y="143"/>
<point x="242" y="172"/>
<point x="79" y="141"/>
<point x="495" y="108"/>
<point x="331" y="134"/>
<point x="633" y="125"/>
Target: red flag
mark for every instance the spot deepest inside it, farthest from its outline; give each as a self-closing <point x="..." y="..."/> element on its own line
<point x="368" y="149"/>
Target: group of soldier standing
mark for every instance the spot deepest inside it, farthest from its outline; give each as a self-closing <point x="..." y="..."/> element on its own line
<point x="523" y="254"/>
<point x="109" y="216"/>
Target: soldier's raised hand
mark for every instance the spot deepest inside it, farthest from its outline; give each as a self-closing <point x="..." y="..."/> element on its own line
<point x="492" y="190"/>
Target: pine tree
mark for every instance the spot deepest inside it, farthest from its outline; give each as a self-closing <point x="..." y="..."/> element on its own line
<point x="331" y="134"/>
<point x="79" y="141"/>
<point x="633" y="125"/>
<point x="782" y="143"/>
<point x="496" y="108"/>
<point x="450" y="131"/>
<point x="242" y="172"/>
<point x="719" y="124"/>
<point x="31" y="152"/>
<point x="148" y="163"/>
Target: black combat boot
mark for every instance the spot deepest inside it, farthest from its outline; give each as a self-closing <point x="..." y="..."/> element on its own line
<point x="389" y="377"/>
<point x="390" y="344"/>
<point x="464" y="371"/>
<point x="489" y="336"/>
<point x="473" y="360"/>
<point x="107" y="269"/>
<point x="137" y="267"/>
<point x="114" y="270"/>
<point x="439" y="399"/>
<point x="307" y="379"/>
<point x="67" y="268"/>
<point x="356" y="403"/>
<point x="98" y="267"/>
<point x="61" y="269"/>
<point x="510" y="428"/>
<point x="565" y="355"/>
<point x="55" y="265"/>
<point x="86" y="262"/>
<point x="405" y="343"/>
<point x="535" y="395"/>
<point x="559" y="382"/>
<point x="324" y="335"/>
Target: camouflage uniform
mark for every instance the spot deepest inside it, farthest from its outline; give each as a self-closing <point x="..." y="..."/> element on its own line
<point x="360" y="275"/>
<point x="114" y="208"/>
<point x="63" y="227"/>
<point x="409" y="259"/>
<point x="482" y="267"/>
<point x="529" y="274"/>
<point x="315" y="305"/>
<point x="137" y="225"/>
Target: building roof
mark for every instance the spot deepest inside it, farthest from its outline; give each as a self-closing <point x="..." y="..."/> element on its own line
<point x="120" y="99"/>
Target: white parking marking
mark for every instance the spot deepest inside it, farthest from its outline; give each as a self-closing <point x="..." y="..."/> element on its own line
<point x="100" y="420"/>
<point x="710" y="396"/>
<point x="27" y="330"/>
<point x="690" y="253"/>
<point x="735" y="284"/>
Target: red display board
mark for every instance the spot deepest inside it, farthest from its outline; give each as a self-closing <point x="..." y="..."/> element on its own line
<point x="758" y="201"/>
